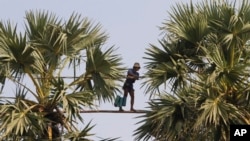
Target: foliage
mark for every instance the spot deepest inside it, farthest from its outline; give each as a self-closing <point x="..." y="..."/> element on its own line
<point x="48" y="49"/>
<point x="204" y="58"/>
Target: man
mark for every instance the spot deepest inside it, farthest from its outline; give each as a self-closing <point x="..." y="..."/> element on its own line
<point x="132" y="76"/>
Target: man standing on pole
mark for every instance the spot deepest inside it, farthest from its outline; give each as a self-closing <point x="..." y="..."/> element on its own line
<point x="132" y="76"/>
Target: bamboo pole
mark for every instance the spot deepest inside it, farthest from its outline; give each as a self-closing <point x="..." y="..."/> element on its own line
<point x="50" y="131"/>
<point x="113" y="111"/>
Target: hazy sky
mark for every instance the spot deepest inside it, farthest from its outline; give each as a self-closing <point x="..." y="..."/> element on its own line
<point x="131" y="25"/>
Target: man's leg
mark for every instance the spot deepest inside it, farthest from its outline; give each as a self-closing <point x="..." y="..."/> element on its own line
<point x="132" y="95"/>
<point x="125" y="94"/>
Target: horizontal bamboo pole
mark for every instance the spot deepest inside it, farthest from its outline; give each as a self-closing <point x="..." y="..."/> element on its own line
<point x="113" y="111"/>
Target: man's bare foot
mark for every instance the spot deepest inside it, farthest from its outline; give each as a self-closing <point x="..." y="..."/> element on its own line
<point x="121" y="110"/>
<point x="133" y="110"/>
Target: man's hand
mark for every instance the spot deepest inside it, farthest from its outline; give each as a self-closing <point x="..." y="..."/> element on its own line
<point x="132" y="77"/>
<point x="136" y="77"/>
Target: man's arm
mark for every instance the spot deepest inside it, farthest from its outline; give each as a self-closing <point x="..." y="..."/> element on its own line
<point x="131" y="75"/>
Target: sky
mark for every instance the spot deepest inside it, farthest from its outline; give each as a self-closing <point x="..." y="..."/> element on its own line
<point x="131" y="25"/>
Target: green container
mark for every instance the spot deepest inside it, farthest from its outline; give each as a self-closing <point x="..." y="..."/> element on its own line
<point x="118" y="101"/>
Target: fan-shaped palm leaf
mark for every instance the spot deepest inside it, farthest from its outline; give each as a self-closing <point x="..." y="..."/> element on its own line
<point x="208" y="50"/>
<point x="42" y="53"/>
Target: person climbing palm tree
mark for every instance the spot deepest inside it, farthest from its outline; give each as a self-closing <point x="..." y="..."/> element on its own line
<point x="132" y="76"/>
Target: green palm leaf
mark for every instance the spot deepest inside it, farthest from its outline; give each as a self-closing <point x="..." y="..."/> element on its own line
<point x="42" y="54"/>
<point x="204" y="59"/>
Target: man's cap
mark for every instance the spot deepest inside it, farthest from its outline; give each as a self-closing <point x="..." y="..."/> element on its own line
<point x="136" y="65"/>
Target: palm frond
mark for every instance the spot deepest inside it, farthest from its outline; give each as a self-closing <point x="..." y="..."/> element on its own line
<point x="80" y="135"/>
<point x="204" y="59"/>
<point x="164" y="121"/>
<point x="104" y="71"/>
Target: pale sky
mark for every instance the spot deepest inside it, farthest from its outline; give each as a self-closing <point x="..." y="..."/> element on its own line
<point x="131" y="25"/>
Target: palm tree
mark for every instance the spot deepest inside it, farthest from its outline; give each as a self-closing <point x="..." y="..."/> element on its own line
<point x="48" y="49"/>
<point x="204" y="58"/>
